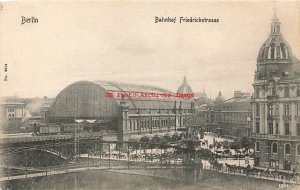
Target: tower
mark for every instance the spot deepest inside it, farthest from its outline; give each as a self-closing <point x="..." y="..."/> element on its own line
<point x="185" y="88"/>
<point x="276" y="103"/>
<point x="219" y="99"/>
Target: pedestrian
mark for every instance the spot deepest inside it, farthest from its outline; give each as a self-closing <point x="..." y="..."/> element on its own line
<point x="198" y="168"/>
<point x="248" y="168"/>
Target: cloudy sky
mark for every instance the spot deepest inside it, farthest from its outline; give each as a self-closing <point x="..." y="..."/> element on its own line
<point x="119" y="41"/>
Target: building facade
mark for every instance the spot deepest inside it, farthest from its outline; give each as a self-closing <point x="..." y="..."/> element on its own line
<point x="276" y="104"/>
<point x="128" y="109"/>
<point x="233" y="116"/>
<point x="12" y="115"/>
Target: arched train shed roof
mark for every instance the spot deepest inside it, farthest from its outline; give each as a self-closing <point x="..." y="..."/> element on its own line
<point x="86" y="99"/>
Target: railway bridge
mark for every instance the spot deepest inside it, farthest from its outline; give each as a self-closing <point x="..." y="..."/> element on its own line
<point x="58" y="157"/>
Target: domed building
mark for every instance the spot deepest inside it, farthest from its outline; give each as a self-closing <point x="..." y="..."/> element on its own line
<point x="200" y="98"/>
<point x="219" y="99"/>
<point x="276" y="104"/>
<point x="275" y="57"/>
<point x="185" y="88"/>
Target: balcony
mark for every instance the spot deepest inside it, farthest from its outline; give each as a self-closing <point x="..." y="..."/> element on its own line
<point x="275" y="137"/>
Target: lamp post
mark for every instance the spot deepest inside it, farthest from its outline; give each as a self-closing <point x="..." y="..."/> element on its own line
<point x="74" y="132"/>
<point x="175" y="112"/>
<point x="239" y="158"/>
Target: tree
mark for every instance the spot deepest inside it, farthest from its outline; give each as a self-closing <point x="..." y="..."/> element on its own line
<point x="226" y="145"/>
<point x="246" y="142"/>
<point x="205" y="154"/>
<point x="235" y="144"/>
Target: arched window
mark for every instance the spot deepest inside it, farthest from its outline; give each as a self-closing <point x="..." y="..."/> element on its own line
<point x="274" y="148"/>
<point x="283" y="51"/>
<point x="257" y="146"/>
<point x="272" y="50"/>
<point x="287" y="149"/>
<point x="273" y="90"/>
<point x="298" y="150"/>
<point x="257" y="93"/>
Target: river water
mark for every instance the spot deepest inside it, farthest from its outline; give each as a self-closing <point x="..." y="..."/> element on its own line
<point x="115" y="180"/>
<point x="95" y="180"/>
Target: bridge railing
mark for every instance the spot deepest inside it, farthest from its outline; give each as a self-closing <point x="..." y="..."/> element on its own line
<point x="93" y="153"/>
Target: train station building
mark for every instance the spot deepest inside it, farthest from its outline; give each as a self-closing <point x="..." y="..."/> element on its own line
<point x="127" y="109"/>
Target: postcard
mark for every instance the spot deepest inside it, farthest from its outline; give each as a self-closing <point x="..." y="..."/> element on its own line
<point x="150" y="94"/>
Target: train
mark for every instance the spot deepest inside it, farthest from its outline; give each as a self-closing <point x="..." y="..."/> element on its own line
<point x="55" y="129"/>
<point x="52" y="129"/>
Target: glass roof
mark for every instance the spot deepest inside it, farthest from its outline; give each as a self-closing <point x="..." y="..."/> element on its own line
<point x="164" y="99"/>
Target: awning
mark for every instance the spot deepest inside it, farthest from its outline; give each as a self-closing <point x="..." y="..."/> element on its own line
<point x="85" y="121"/>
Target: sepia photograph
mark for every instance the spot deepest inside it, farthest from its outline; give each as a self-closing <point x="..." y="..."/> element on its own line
<point x="149" y="95"/>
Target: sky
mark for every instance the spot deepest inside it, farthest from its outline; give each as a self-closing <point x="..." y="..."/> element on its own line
<point x="119" y="41"/>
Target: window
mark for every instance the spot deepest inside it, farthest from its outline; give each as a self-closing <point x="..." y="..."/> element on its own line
<point x="287" y="149"/>
<point x="286" y="92"/>
<point x="286" y="110"/>
<point x="257" y="94"/>
<point x="270" y="110"/>
<point x="274" y="163"/>
<point x="287" y="129"/>
<point x="298" y="90"/>
<point x="277" y="128"/>
<point x="274" y="148"/>
<point x="277" y="109"/>
<point x="298" y="129"/>
<point x="257" y="110"/>
<point x="257" y="146"/>
<point x="257" y="127"/>
<point x="270" y="127"/>
<point x="273" y="91"/>
<point x="297" y="109"/>
<point x="298" y="149"/>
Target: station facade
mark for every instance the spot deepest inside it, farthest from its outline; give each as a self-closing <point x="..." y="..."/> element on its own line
<point x="127" y="109"/>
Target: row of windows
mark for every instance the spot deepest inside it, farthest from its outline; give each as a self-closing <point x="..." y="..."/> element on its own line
<point x="274" y="148"/>
<point x="147" y="124"/>
<point x="286" y="92"/>
<point x="274" y="110"/>
<point x="235" y="107"/>
<point x="275" y="129"/>
<point x="237" y="115"/>
<point x="233" y="117"/>
<point x="232" y="121"/>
